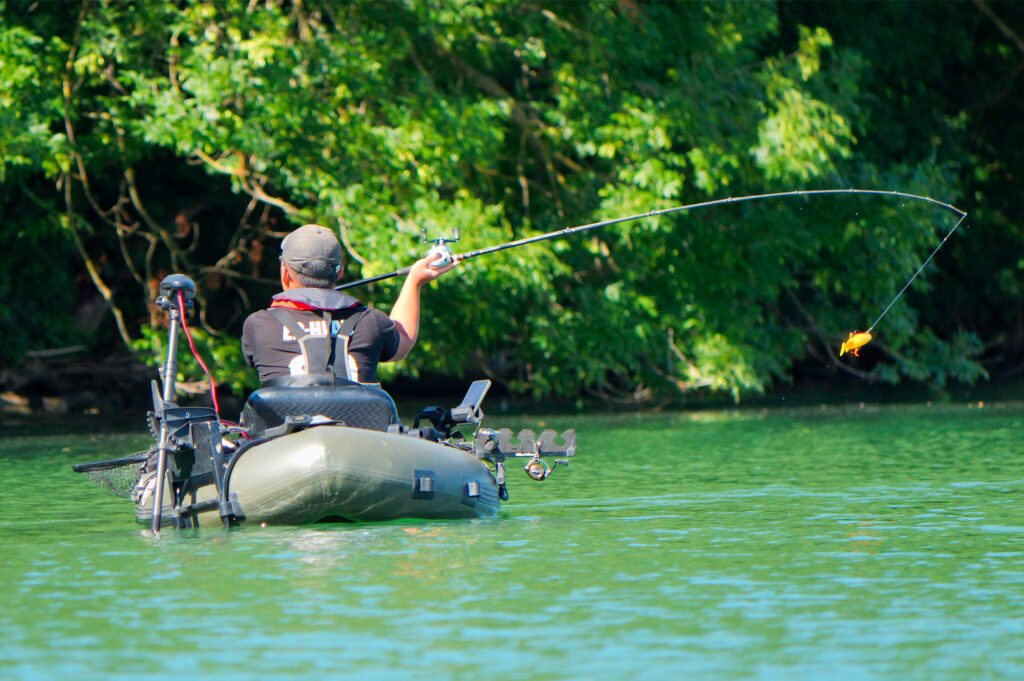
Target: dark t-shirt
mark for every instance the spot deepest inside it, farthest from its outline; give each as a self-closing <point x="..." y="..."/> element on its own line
<point x="269" y="346"/>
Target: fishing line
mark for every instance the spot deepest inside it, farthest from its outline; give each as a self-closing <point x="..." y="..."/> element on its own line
<point x="919" y="270"/>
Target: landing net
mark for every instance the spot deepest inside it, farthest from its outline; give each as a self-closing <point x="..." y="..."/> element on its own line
<point x="118" y="476"/>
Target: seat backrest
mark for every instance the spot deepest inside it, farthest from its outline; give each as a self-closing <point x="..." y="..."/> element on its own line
<point x="355" y="405"/>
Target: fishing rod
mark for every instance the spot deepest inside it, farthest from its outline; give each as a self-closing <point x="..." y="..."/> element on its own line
<point x="447" y="257"/>
<point x="856" y="340"/>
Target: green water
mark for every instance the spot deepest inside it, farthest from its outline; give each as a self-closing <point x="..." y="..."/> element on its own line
<point x="877" y="543"/>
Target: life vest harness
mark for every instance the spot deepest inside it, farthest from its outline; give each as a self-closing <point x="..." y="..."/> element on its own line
<point x="319" y="351"/>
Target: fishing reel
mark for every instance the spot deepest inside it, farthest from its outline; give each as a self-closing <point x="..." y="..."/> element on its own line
<point x="441" y="248"/>
<point x="538" y="469"/>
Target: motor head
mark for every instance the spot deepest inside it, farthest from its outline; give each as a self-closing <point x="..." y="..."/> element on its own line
<point x="171" y="286"/>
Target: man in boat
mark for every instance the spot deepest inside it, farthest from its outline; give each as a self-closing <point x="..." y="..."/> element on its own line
<point x="312" y="334"/>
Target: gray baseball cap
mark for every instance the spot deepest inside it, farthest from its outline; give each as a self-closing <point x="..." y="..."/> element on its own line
<point x="312" y="250"/>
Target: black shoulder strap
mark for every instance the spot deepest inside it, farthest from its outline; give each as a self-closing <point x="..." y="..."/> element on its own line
<point x="348" y="327"/>
<point x="344" y="338"/>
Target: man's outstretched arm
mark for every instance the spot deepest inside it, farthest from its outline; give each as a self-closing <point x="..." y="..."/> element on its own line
<point x="406" y="311"/>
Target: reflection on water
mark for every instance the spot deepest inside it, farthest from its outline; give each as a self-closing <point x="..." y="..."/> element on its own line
<point x="881" y="543"/>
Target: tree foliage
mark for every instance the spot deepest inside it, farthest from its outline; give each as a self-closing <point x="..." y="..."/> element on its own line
<point x="142" y="138"/>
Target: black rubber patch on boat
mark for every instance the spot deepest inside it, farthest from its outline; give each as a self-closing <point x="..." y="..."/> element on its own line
<point x="470" y="490"/>
<point x="423" y="484"/>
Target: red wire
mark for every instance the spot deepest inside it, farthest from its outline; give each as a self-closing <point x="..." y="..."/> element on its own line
<point x="213" y="386"/>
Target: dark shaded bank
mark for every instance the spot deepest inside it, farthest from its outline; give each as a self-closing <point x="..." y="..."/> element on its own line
<point x="67" y="381"/>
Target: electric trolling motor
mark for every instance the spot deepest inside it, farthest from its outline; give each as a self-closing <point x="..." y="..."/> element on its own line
<point x="176" y="295"/>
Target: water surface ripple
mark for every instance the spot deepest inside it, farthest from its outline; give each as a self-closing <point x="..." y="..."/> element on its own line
<point x="874" y="543"/>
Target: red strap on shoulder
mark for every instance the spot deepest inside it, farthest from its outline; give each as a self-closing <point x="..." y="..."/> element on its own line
<point x="292" y="305"/>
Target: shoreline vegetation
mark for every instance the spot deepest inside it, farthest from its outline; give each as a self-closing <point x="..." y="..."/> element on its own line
<point x="66" y="382"/>
<point x="139" y="140"/>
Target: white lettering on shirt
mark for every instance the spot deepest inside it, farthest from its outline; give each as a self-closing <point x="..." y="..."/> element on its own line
<point x="316" y="327"/>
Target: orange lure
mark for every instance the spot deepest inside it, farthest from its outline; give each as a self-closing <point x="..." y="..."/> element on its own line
<point x="854" y="343"/>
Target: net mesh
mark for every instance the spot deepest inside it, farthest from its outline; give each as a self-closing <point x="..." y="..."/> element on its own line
<point x="119" y="476"/>
<point x="121" y="481"/>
